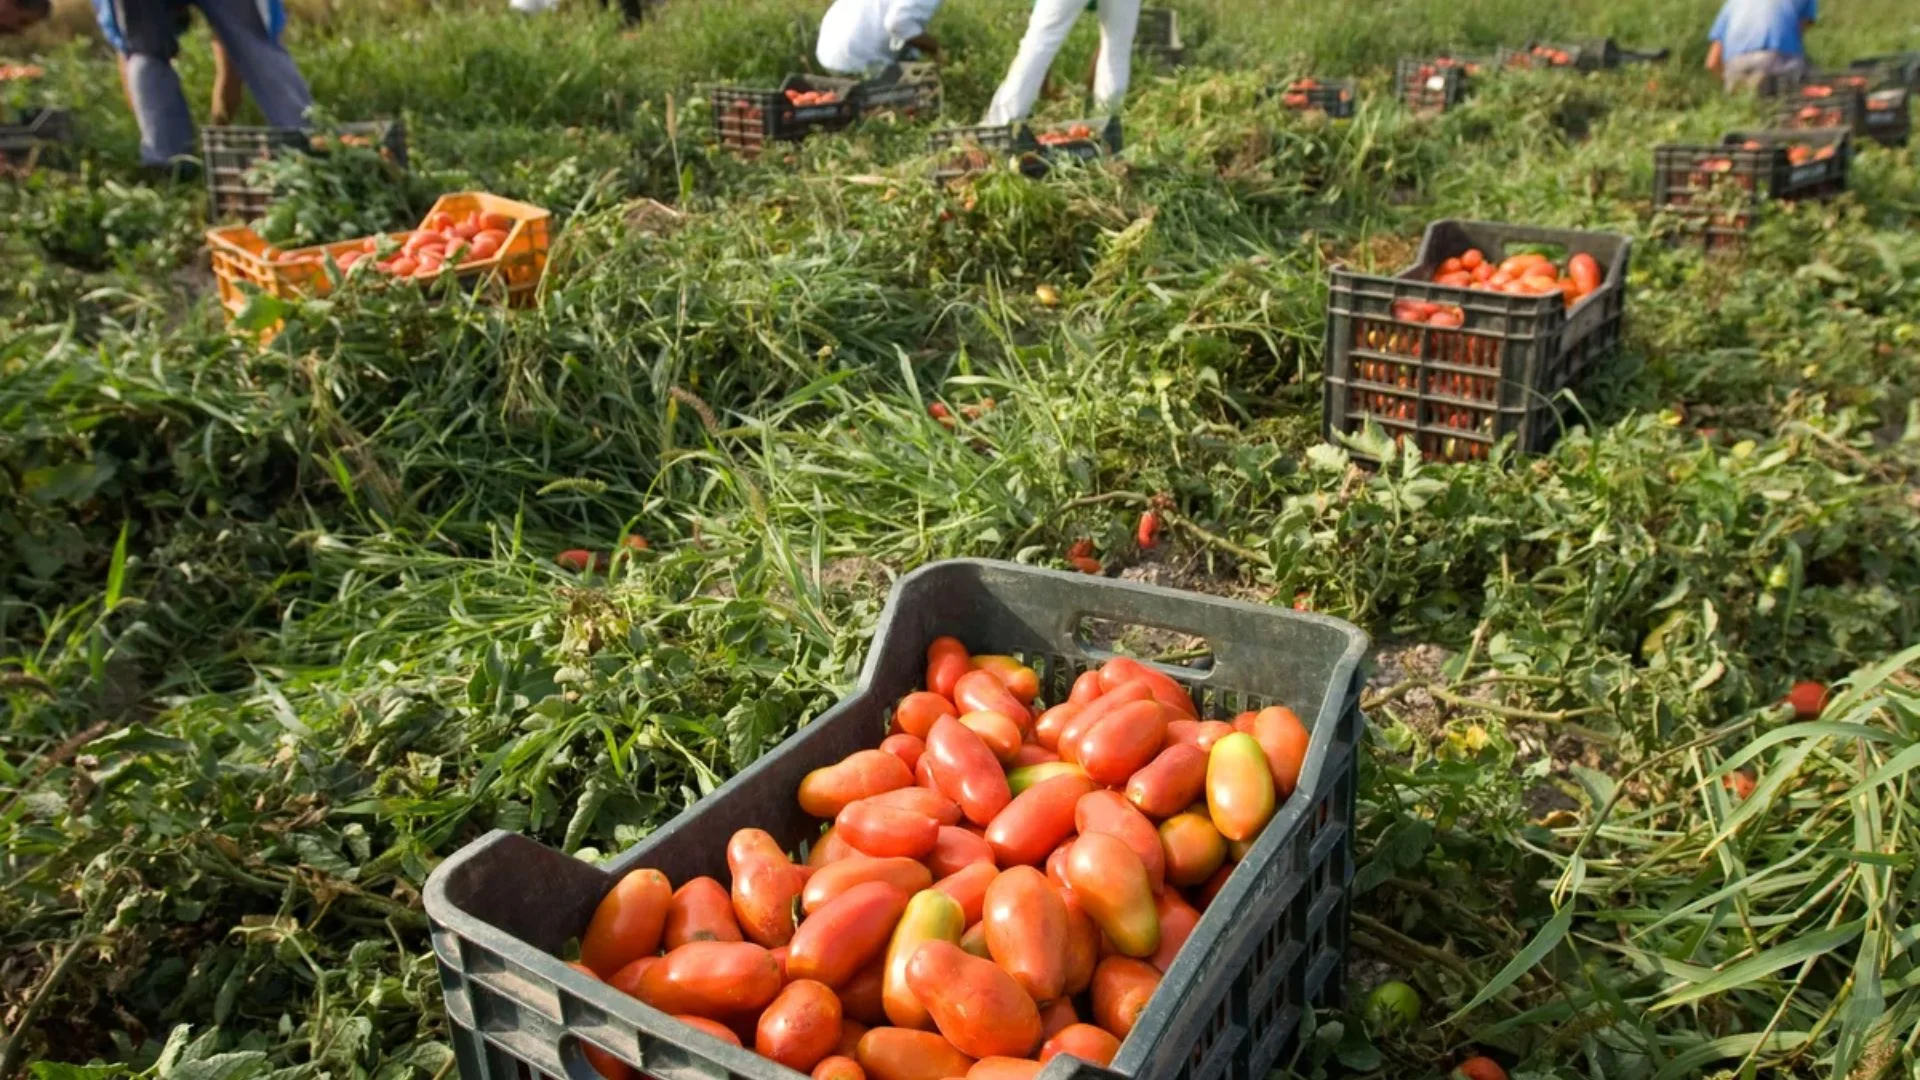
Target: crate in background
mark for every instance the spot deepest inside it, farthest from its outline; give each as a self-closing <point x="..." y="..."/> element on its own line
<point x="1457" y="391"/>
<point x="1716" y="190"/>
<point x="32" y="137"/>
<point x="1433" y="84"/>
<point x="910" y="89"/>
<point x="1334" y="97"/>
<point x="747" y="120"/>
<point x="966" y="150"/>
<point x="1269" y="948"/>
<point x="229" y="153"/>
<point x="1156" y="37"/>
<point x="1890" y="69"/>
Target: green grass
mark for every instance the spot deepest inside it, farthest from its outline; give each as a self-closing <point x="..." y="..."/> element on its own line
<point x="280" y="628"/>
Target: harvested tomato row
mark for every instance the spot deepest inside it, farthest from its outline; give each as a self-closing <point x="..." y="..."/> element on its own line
<point x="424" y="252"/>
<point x="813" y="97"/>
<point x="1070" y="134"/>
<point x="1002" y="880"/>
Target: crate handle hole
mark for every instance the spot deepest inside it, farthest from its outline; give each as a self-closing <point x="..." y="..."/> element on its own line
<point x="1143" y="641"/>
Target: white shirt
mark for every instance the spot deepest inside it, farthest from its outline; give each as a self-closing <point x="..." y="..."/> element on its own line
<point x="856" y="35"/>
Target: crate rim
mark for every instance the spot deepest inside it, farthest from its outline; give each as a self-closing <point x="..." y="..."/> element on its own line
<point x="1342" y="695"/>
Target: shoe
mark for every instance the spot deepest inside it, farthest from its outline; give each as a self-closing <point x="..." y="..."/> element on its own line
<point x="180" y="170"/>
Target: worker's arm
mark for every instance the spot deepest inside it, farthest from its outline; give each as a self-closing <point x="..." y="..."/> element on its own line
<point x="906" y="22"/>
<point x="1713" y="57"/>
<point x="226" y="88"/>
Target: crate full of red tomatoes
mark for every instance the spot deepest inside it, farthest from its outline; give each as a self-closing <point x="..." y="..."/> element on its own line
<point x="1010" y="851"/>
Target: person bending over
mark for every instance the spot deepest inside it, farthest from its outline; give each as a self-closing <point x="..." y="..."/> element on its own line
<point x="1753" y="39"/>
<point x="857" y="36"/>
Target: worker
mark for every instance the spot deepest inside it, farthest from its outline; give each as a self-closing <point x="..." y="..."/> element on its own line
<point x="1047" y="30"/>
<point x="857" y="36"/>
<point x="1757" y="39"/>
<point x="146" y="34"/>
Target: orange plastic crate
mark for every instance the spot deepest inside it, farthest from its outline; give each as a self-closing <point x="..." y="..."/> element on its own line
<point x="243" y="261"/>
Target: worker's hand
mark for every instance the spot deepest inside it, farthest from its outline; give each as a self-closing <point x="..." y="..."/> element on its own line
<point x="924" y="45"/>
<point x="17" y="15"/>
<point x="1713" y="57"/>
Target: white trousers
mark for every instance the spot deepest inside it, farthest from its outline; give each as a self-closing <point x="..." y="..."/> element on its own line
<point x="1046" y="32"/>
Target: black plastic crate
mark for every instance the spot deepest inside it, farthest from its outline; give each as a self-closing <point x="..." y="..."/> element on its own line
<point x="1334" y="97"/>
<point x="29" y="137"/>
<point x="1717" y="190"/>
<point x="1156" y="37"/>
<point x="1457" y="391"/>
<point x="966" y="150"/>
<point x="1437" y="83"/>
<point x="910" y="89"/>
<point x="1270" y="946"/>
<point x="1891" y="69"/>
<point x="228" y="154"/>
<point x="1889" y="116"/>
<point x="1079" y="140"/>
<point x="747" y="120"/>
<point x="1546" y="55"/>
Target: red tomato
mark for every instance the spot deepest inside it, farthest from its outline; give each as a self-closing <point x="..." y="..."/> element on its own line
<point x="1001" y="733"/>
<point x="982" y="691"/>
<point x="1091" y="1044"/>
<point x="627" y="923"/>
<point x="839" y="1066"/>
<point x="1177" y="920"/>
<point x="917" y="711"/>
<point x="888" y="1053"/>
<point x="825" y="792"/>
<point x="1094" y="712"/>
<point x="1122" y="742"/>
<point x="968" y="887"/>
<point x="1026" y="931"/>
<point x="907" y="748"/>
<point x="1584" y="269"/>
<point x="712" y="1027"/>
<point x="492" y="222"/>
<point x="801" y="1027"/>
<point x="712" y="979"/>
<point x="1809" y="700"/>
<point x="828" y="882"/>
<point x="965" y="769"/>
<point x="1032" y="754"/>
<point x="955" y="849"/>
<point x="1083" y="941"/>
<point x="1147" y="533"/>
<point x="1478" y="1068"/>
<point x="1283" y="739"/>
<point x="979" y="1008"/>
<point x="1004" y="1068"/>
<point x="846" y="934"/>
<point x="883" y="831"/>
<point x="1109" y="812"/>
<point x="1036" y="821"/>
<point x="608" y="1066"/>
<point x="1121" y="990"/>
<point x="1121" y="670"/>
<point x="1020" y="680"/>
<point x="828" y="849"/>
<point x="1112" y="886"/>
<point x="1085" y="688"/>
<point x="765" y="885"/>
<point x="701" y="910"/>
<point x="627" y="979"/>
<point x="947" y="660"/>
<point x="1047" y="727"/>
<point x="861" y="998"/>
<point x="920" y="800"/>
<point x="1057" y="1017"/>
<point x="1194" y="849"/>
<point x="1240" y="793"/>
<point x="1170" y="782"/>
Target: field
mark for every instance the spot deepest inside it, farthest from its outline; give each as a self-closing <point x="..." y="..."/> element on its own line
<point x="282" y="627"/>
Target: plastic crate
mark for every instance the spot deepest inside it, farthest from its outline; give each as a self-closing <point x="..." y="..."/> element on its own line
<point x="244" y="262"/>
<point x="1457" y="392"/>
<point x="1064" y="141"/>
<point x="1437" y="83"/>
<point x="228" y="155"/>
<point x="1589" y="56"/>
<point x="747" y="120"/>
<point x="962" y="151"/>
<point x="1269" y="947"/>
<point x="1889" y="116"/>
<point x="30" y="138"/>
<point x="1156" y="37"/>
<point x="1334" y="97"/>
<point x="1891" y="69"/>
<point x="911" y="89"/>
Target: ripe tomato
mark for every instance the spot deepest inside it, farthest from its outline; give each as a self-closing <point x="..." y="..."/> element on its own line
<point x="947" y="660"/>
<point x="1240" y="794"/>
<point x="1047" y="727"/>
<point x="982" y="691"/>
<point x="1584" y="269"/>
<point x="1004" y="1068"/>
<point x="907" y="875"/>
<point x="1121" y="670"/>
<point x="1472" y="259"/>
<point x="608" y="1066"/>
<point x="1122" y="742"/>
<point x="1001" y="734"/>
<point x="1111" y="883"/>
<point x="907" y="748"/>
<point x="861" y="998"/>
<point x="1808" y="699"/>
<point x="1122" y="987"/>
<point x="846" y="934"/>
<point x="883" y="831"/>
<point x="701" y="910"/>
<point x="1083" y="942"/>
<point x="1110" y="813"/>
<point x="920" y="800"/>
<point x="1091" y="1044"/>
<point x="486" y="245"/>
<point x="713" y="979"/>
<point x="1026" y="776"/>
<point x="979" y="1008"/>
<point x="1057" y="1017"/>
<point x="1026" y="928"/>
<point x="627" y="923"/>
<point x="490" y="222"/>
<point x="1478" y="1068"/>
<point x="1740" y="782"/>
<point x="850" y="1030"/>
<point x="917" y="711"/>
<point x="1095" y="711"/>
<point x="1194" y="848"/>
<point x="825" y="792"/>
<point x="1031" y="754"/>
<point x="974" y="941"/>
<point x="930" y="916"/>
<point x="968" y="887"/>
<point x="711" y="1027"/>
<point x="955" y="849"/>
<point x="765" y="885"/>
<point x="1147" y="533"/>
<point x="1170" y="782"/>
<point x="1177" y="920"/>
<point x="1086" y="687"/>
<point x="1283" y="739"/>
<point x="828" y="849"/>
<point x="627" y="979"/>
<point x="1037" y="820"/>
<point x="888" y="1053"/>
<point x="800" y="1027"/>
<point x="839" y="1066"/>
<point x="1020" y="680"/>
<point x="965" y="769"/>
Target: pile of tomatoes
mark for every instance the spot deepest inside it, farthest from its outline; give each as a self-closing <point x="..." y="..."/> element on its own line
<point x="10" y="72"/>
<point x="1526" y="274"/>
<point x="1443" y="63"/>
<point x="1001" y="881"/>
<point x="1541" y="55"/>
<point x="440" y="243"/>
<point x="1298" y="96"/>
<point x="1072" y="133"/>
<point x="813" y="97"/>
<point x="1886" y="100"/>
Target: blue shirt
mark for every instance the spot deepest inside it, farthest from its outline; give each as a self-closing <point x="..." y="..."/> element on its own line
<point x="1746" y="26"/>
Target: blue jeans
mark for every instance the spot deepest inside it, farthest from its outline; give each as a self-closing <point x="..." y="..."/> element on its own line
<point x="146" y="32"/>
